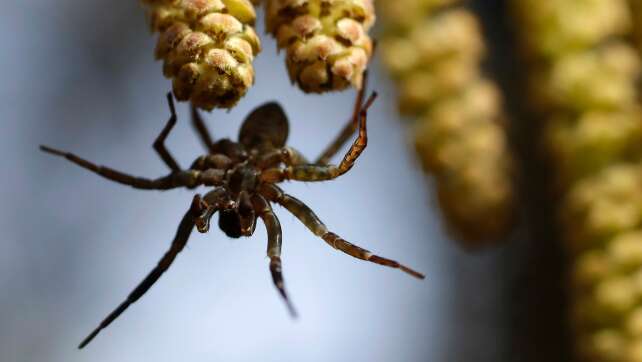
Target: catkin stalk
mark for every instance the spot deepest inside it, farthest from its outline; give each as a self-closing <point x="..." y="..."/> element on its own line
<point x="326" y="41"/>
<point x="636" y="8"/>
<point x="207" y="48"/>
<point x="434" y="53"/>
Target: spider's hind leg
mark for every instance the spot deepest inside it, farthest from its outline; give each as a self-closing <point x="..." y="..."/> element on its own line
<point x="348" y="130"/>
<point x="316" y="172"/>
<point x="287" y="155"/>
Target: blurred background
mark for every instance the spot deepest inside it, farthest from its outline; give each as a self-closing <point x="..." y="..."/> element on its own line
<point x="80" y="76"/>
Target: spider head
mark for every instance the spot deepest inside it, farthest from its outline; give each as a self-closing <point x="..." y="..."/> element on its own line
<point x="240" y="220"/>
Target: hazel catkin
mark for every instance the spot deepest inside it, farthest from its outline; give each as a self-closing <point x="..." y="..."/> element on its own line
<point x="326" y="41"/>
<point x="207" y="48"/>
<point x="585" y="86"/>
<point x="433" y="50"/>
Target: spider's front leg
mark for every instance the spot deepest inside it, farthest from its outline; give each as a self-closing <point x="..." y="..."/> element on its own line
<point x="159" y="143"/>
<point x="273" y="228"/>
<point x="180" y="240"/>
<point x="313" y="172"/>
<point x="312" y="222"/>
<point x="201" y="129"/>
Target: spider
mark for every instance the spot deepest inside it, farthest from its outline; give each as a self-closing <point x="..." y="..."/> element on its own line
<point x="244" y="175"/>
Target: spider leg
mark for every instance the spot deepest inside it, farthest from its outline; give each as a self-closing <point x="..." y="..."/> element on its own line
<point x="286" y="155"/>
<point x="312" y="172"/>
<point x="348" y="130"/>
<point x="159" y="143"/>
<point x="273" y="227"/>
<point x="201" y="129"/>
<point x="162" y="183"/>
<point x="182" y="235"/>
<point x="312" y="222"/>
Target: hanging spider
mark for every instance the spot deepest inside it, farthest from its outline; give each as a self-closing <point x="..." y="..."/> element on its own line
<point x="244" y="176"/>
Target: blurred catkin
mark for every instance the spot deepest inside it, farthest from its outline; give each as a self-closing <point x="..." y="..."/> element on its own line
<point x="584" y="84"/>
<point x="326" y="41"/>
<point x="433" y="50"/>
<point x="207" y="48"/>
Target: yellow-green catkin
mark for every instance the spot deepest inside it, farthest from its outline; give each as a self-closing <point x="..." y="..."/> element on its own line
<point x="584" y="84"/>
<point x="207" y="48"/>
<point x="433" y="50"/>
<point x="603" y="219"/>
<point x="326" y="41"/>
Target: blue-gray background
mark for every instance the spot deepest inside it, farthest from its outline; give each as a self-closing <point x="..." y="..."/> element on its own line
<point x="79" y="75"/>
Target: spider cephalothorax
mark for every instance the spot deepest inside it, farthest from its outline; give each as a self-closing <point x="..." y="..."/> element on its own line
<point x="243" y="175"/>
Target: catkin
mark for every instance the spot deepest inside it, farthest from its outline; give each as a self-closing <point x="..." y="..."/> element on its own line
<point x="603" y="218"/>
<point x="434" y="53"/>
<point x="585" y="85"/>
<point x="554" y="27"/>
<point x="207" y="48"/>
<point x="326" y="41"/>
